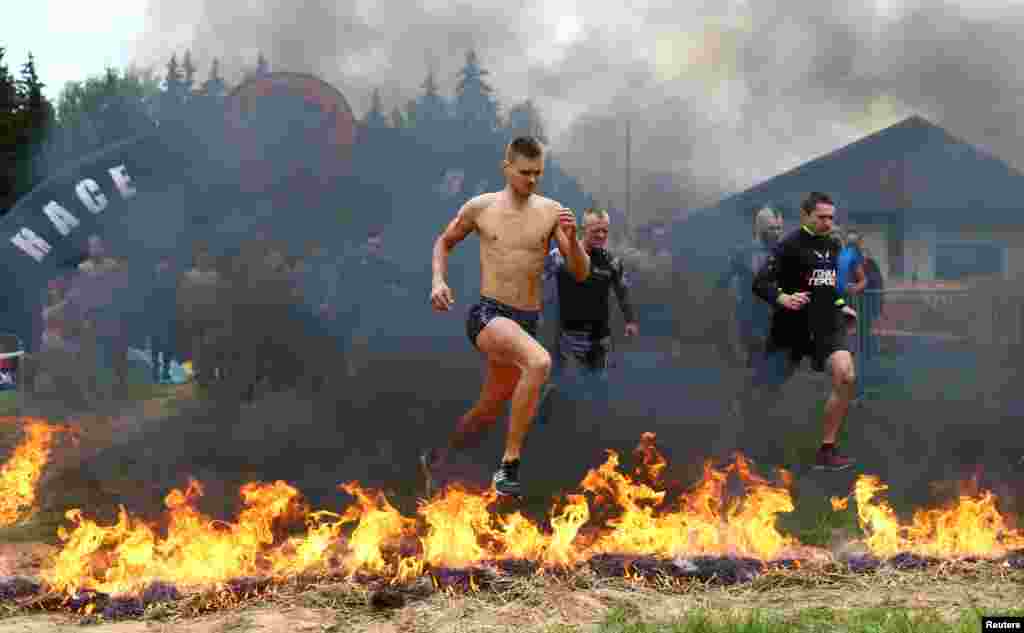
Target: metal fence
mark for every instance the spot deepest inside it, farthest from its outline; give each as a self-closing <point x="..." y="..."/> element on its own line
<point x="901" y="322"/>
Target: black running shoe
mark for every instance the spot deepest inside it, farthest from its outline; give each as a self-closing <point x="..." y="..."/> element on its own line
<point x="506" y="479"/>
<point x="830" y="459"/>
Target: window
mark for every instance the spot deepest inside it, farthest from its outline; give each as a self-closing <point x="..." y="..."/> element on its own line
<point x="963" y="260"/>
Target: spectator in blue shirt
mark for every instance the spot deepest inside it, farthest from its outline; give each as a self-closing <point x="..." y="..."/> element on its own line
<point x="850" y="279"/>
<point x="850" y="282"/>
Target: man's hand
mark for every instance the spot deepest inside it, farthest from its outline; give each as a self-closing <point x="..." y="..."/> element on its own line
<point x="441" y="296"/>
<point x="632" y="329"/>
<point x="567" y="223"/>
<point x="849" y="319"/>
<point x="795" y="301"/>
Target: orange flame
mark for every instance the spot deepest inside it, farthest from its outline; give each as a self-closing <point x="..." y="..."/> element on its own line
<point x="704" y="523"/>
<point x="20" y="474"/>
<point x="972" y="526"/>
<point x="457" y="528"/>
<point x="196" y="550"/>
<point x="378" y="525"/>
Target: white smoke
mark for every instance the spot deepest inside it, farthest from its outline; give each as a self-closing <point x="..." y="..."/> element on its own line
<point x="720" y="94"/>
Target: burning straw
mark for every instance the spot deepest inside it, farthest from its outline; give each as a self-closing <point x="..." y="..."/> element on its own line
<point x="619" y="525"/>
<point x="20" y="474"/>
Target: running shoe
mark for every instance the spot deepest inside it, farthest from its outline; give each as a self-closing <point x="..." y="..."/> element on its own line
<point x="506" y="480"/>
<point x="829" y="459"/>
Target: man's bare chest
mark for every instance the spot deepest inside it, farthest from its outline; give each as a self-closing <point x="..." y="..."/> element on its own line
<point x="504" y="229"/>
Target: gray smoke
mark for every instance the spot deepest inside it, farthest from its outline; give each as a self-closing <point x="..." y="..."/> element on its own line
<point x="721" y="95"/>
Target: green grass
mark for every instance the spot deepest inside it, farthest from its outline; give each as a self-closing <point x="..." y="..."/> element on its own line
<point x="812" y="523"/>
<point x="875" y="620"/>
<point x="8" y="403"/>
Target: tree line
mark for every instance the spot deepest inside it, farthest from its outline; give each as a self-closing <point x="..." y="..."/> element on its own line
<point x="26" y="116"/>
<point x="37" y="136"/>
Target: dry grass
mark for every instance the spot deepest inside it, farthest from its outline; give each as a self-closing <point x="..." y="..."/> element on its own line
<point x="543" y="602"/>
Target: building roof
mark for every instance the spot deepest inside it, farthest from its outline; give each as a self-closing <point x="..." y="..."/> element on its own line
<point x="913" y="168"/>
<point x="913" y="171"/>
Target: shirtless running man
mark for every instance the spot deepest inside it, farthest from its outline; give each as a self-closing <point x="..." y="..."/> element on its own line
<point x="515" y="226"/>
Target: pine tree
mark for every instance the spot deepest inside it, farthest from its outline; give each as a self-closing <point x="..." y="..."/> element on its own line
<point x="262" y="67"/>
<point x="410" y="113"/>
<point x="188" y="73"/>
<point x="8" y="134"/>
<point x="172" y="99"/>
<point x="397" y="119"/>
<point x="375" y="118"/>
<point x="33" y="102"/>
<point x="214" y="86"/>
<point x="174" y="87"/>
<point x="8" y="88"/>
<point x="34" y="119"/>
<point x="474" y="104"/>
<point x="524" y="119"/>
<point x="111" y="83"/>
<point x="431" y="106"/>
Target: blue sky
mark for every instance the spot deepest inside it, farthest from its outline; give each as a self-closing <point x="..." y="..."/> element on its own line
<point x="71" y="39"/>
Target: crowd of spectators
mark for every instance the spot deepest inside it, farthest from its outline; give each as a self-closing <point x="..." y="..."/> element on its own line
<point x="259" y="315"/>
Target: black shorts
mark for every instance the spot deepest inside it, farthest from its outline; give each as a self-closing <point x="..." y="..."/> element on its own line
<point x="588" y="351"/>
<point x="487" y="309"/>
<point x="781" y="357"/>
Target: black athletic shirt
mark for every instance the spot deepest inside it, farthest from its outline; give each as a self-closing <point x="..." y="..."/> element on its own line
<point x="803" y="262"/>
<point x="587" y="302"/>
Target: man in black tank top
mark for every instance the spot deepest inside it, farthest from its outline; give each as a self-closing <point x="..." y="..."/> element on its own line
<point x="810" y="318"/>
<point x="583" y="332"/>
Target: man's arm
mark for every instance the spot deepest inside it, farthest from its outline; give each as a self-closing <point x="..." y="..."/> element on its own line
<point x="457" y="230"/>
<point x="621" y="284"/>
<point x="766" y="280"/>
<point x="575" y="255"/>
<point x="552" y="264"/>
<point x="860" y="280"/>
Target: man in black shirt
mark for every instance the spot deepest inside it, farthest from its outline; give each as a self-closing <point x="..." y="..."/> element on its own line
<point x="583" y="332"/>
<point x="810" y="317"/>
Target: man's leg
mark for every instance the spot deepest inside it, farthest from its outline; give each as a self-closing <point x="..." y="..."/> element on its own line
<point x="595" y="372"/>
<point x="840" y="366"/>
<point x="499" y="383"/>
<point x="505" y="342"/>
